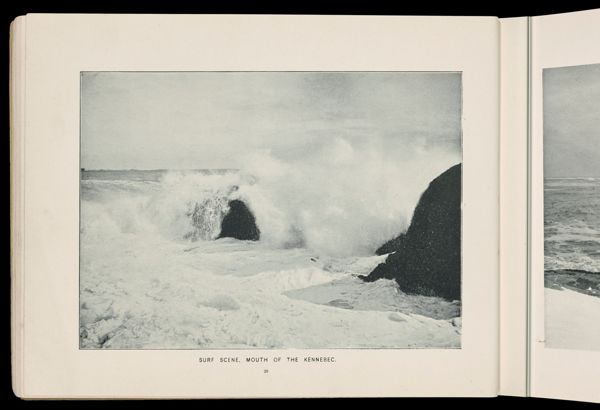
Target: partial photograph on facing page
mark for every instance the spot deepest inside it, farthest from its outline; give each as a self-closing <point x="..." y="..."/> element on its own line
<point x="268" y="210"/>
<point x="571" y="99"/>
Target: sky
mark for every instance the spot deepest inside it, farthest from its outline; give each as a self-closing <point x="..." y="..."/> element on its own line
<point x="201" y="120"/>
<point x="572" y="121"/>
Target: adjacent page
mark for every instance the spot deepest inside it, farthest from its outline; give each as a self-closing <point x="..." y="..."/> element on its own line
<point x="206" y="199"/>
<point x="565" y="186"/>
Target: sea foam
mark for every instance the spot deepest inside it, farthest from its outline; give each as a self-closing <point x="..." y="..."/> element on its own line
<point x="341" y="199"/>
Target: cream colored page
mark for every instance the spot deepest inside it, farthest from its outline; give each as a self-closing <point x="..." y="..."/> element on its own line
<point x="59" y="47"/>
<point x="513" y="207"/>
<point x="559" y="368"/>
<point x="17" y="84"/>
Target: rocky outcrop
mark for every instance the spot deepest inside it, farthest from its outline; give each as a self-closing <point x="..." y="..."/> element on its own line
<point x="582" y="281"/>
<point x="392" y="245"/>
<point x="427" y="258"/>
<point x="239" y="223"/>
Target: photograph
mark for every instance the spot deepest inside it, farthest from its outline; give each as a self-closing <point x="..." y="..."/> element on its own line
<point x="299" y="210"/>
<point x="571" y="105"/>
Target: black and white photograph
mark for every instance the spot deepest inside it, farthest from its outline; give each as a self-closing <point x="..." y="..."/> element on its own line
<point x="571" y="104"/>
<point x="310" y="210"/>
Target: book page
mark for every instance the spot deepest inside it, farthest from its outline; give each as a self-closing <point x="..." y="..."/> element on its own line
<point x="261" y="206"/>
<point x="565" y="263"/>
<point x="17" y="116"/>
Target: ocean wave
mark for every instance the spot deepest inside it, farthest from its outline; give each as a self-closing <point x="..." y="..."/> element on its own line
<point x="181" y="206"/>
<point x="340" y="200"/>
<point x="571" y="185"/>
<point x="574" y="259"/>
<point x="569" y="237"/>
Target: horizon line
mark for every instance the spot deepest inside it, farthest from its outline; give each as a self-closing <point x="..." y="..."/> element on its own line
<point x="157" y="169"/>
<point x="574" y="177"/>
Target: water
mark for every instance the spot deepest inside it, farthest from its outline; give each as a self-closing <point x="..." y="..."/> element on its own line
<point x="572" y="224"/>
<point x="152" y="274"/>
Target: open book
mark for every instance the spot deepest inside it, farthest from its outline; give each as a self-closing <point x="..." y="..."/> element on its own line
<point x="305" y="206"/>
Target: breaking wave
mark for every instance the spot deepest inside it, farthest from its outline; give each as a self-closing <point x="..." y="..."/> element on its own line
<point x="340" y="200"/>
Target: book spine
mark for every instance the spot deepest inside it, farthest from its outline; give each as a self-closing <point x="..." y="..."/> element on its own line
<point x="17" y="196"/>
<point x="513" y="206"/>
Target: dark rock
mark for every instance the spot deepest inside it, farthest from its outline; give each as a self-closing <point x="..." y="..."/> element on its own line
<point x="427" y="258"/>
<point x="239" y="223"/>
<point x="578" y="280"/>
<point x="583" y="283"/>
<point x="393" y="245"/>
